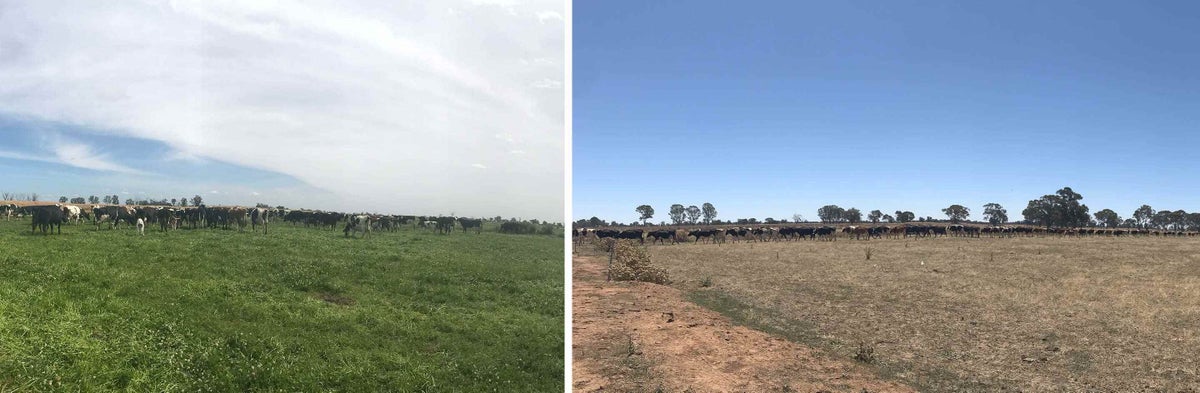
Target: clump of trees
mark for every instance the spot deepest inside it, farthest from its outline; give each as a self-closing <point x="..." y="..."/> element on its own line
<point x="1061" y="209"/>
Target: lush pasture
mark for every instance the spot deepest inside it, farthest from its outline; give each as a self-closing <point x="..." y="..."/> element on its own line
<point x="954" y="314"/>
<point x="295" y="310"/>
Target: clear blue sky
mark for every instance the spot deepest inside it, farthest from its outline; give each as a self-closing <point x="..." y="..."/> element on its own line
<point x="766" y="109"/>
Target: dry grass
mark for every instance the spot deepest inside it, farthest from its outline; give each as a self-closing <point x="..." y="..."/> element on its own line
<point x="953" y="314"/>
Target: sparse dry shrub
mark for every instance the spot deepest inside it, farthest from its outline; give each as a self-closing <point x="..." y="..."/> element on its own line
<point x="865" y="353"/>
<point x="604" y="245"/>
<point x="631" y="263"/>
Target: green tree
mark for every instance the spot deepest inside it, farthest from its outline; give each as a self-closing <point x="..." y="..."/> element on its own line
<point x="1061" y="209"/>
<point x="889" y="218"/>
<point x="693" y="214"/>
<point x="905" y="216"/>
<point x="1143" y="215"/>
<point x="995" y="214"/>
<point x="852" y="215"/>
<point x="830" y="213"/>
<point x="62" y="199"/>
<point x="1108" y="218"/>
<point x="197" y="200"/>
<point x="875" y="216"/>
<point x="595" y="222"/>
<point x="677" y="214"/>
<point x="957" y="213"/>
<point x="709" y="212"/>
<point x="797" y="218"/>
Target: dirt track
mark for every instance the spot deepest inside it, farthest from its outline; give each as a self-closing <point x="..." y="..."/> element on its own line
<point x="643" y="337"/>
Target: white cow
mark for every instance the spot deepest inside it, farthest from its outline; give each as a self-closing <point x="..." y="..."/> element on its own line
<point x="73" y="214"/>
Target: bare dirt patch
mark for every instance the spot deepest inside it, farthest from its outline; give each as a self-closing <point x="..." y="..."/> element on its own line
<point x="1035" y="314"/>
<point x="335" y="298"/>
<point x="630" y="336"/>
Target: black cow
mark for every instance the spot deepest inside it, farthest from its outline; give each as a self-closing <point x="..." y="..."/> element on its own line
<point x="661" y="236"/>
<point x="471" y="223"/>
<point x="607" y="233"/>
<point x="47" y="217"/>
<point x="445" y="224"/>
<point x="711" y="234"/>
<point x="632" y="234"/>
<point x="826" y="233"/>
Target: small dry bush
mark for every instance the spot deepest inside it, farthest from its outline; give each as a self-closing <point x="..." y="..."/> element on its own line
<point x="865" y="353"/>
<point x="631" y="263"/>
<point x="604" y="245"/>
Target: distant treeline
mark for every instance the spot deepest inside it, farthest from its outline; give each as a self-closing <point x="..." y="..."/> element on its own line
<point x="1061" y="209"/>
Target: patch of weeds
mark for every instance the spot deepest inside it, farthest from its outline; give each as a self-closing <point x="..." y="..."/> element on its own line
<point x="865" y="353"/>
<point x="706" y="283"/>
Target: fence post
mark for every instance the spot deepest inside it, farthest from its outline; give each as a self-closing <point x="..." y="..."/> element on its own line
<point x="612" y="250"/>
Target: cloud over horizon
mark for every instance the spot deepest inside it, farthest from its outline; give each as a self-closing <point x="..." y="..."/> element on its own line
<point x="388" y="107"/>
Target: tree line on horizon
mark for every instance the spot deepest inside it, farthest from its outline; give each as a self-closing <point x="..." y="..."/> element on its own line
<point x="1060" y="209"/>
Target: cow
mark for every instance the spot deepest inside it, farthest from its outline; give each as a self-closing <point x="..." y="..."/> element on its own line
<point x="111" y="214"/>
<point x="445" y="225"/>
<point x="857" y="231"/>
<point x="258" y="216"/>
<point x="72" y="213"/>
<point x="661" y="236"/>
<point x="712" y="235"/>
<point x="359" y="223"/>
<point x="471" y="223"/>
<point x="239" y="215"/>
<point x="8" y="210"/>
<point x="46" y="217"/>
<point x="632" y="234"/>
<point x="826" y="232"/>
<point x="737" y="233"/>
<point x="164" y="216"/>
<point x="606" y="233"/>
<point x="878" y="231"/>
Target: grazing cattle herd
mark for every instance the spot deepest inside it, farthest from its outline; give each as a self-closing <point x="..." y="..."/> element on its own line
<point x="857" y="232"/>
<point x="49" y="218"/>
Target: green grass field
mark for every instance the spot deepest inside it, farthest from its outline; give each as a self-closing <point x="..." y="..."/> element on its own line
<point x="295" y="310"/>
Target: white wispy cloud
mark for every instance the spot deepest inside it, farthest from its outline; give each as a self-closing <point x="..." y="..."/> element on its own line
<point x="74" y="154"/>
<point x="357" y="99"/>
<point x="547" y="84"/>
<point x="480" y="166"/>
<point x="544" y="16"/>
<point x="82" y="156"/>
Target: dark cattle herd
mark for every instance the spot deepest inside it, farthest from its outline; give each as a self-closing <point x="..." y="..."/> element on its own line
<point x="49" y="218"/>
<point x="857" y="232"/>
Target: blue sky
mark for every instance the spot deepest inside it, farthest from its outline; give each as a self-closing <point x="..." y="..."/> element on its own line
<point x="766" y="109"/>
<point x="439" y="108"/>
